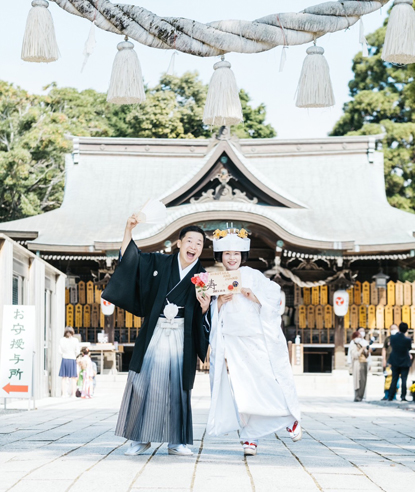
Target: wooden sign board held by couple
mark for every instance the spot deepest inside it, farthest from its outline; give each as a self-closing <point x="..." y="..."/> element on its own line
<point x="218" y="283"/>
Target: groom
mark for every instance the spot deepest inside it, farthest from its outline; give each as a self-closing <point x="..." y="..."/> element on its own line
<point x="156" y="404"/>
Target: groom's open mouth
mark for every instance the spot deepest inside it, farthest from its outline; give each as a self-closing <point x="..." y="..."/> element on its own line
<point x="190" y="256"/>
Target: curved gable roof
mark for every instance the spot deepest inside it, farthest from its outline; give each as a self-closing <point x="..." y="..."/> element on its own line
<point x="331" y="190"/>
<point x="258" y="179"/>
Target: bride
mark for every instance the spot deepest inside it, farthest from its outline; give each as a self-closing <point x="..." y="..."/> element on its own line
<point x="258" y="396"/>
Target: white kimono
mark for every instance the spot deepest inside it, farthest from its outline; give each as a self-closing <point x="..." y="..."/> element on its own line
<point x="259" y="396"/>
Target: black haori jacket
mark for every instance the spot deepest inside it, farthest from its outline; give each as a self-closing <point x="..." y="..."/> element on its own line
<point x="139" y="285"/>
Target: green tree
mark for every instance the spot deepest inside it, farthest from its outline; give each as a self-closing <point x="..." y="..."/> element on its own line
<point x="254" y="120"/>
<point x="33" y="144"/>
<point x="384" y="103"/>
<point x="34" y="132"/>
<point x="174" y="109"/>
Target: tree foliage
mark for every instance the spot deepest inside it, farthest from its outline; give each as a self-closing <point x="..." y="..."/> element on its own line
<point x="384" y="103"/>
<point x="34" y="132"/>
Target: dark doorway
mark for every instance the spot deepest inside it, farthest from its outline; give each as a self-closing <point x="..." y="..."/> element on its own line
<point x="318" y="359"/>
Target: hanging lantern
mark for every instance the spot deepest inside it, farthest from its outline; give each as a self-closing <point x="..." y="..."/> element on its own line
<point x="223" y="106"/>
<point x="399" y="44"/>
<point x="39" y="41"/>
<point x="126" y="86"/>
<point x="314" y="88"/>
<point x="107" y="308"/>
<point x="340" y="302"/>
<point x="381" y="280"/>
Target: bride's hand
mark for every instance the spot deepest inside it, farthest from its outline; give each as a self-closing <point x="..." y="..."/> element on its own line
<point x="223" y="299"/>
<point x="249" y="295"/>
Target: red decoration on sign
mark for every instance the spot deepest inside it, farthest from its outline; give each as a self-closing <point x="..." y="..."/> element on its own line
<point x="339" y="301"/>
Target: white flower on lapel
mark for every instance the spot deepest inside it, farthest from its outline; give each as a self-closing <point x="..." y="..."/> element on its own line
<point x="155" y="273"/>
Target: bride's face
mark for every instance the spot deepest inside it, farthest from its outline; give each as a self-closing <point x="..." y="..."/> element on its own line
<point x="231" y="260"/>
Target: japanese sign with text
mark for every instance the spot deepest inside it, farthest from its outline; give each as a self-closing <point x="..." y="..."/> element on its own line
<point x="17" y="346"/>
<point x="218" y="283"/>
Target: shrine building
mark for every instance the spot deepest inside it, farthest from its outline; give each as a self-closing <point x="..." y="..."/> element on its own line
<point x="316" y="211"/>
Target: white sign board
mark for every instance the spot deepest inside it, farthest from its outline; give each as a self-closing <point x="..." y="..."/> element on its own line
<point x="17" y="346"/>
<point x="218" y="283"/>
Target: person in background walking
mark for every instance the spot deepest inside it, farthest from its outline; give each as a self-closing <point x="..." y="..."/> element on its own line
<point x="88" y="374"/>
<point x="69" y="349"/>
<point x="94" y="379"/>
<point x="400" y="359"/>
<point x="359" y="352"/>
<point x="386" y="351"/>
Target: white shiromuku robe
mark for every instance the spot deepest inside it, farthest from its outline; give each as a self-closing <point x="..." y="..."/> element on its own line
<point x="258" y="397"/>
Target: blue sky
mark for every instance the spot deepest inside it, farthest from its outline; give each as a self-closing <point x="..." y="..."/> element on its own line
<point x="258" y="74"/>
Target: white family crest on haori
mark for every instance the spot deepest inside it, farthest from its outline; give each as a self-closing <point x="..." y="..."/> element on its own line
<point x="231" y="240"/>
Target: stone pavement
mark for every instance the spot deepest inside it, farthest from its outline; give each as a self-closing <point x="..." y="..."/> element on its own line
<point x="69" y="445"/>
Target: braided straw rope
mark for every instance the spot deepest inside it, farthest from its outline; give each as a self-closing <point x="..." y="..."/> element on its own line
<point x="217" y="38"/>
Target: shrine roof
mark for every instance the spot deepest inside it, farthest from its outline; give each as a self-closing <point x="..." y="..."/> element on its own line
<point x="323" y="193"/>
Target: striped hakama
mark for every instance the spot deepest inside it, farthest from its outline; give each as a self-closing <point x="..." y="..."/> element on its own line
<point x="155" y="408"/>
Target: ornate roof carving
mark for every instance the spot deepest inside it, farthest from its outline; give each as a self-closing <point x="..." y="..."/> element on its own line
<point x="224" y="192"/>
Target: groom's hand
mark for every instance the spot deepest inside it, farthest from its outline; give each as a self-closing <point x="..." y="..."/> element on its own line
<point x="204" y="301"/>
<point x="132" y="222"/>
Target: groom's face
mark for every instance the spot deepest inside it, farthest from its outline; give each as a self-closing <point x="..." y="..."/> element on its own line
<point x="191" y="247"/>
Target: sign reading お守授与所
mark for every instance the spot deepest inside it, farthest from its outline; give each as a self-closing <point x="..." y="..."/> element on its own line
<point x="17" y="346"/>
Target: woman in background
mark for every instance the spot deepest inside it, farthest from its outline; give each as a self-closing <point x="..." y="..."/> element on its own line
<point x="69" y="349"/>
<point x="359" y="352"/>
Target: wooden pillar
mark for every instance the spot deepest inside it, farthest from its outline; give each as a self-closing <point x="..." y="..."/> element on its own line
<point x="339" y="357"/>
<point x="109" y="327"/>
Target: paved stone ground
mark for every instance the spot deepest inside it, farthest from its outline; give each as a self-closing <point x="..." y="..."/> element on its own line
<point x="69" y="445"/>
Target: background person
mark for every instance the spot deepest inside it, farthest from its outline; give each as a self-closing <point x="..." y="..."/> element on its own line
<point x="387" y="370"/>
<point x="95" y="372"/>
<point x="88" y="374"/>
<point x="400" y="359"/>
<point x="359" y="352"/>
<point x="69" y="349"/>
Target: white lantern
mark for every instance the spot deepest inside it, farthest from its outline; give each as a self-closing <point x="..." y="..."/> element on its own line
<point x="341" y="302"/>
<point x="282" y="303"/>
<point x="106" y="307"/>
